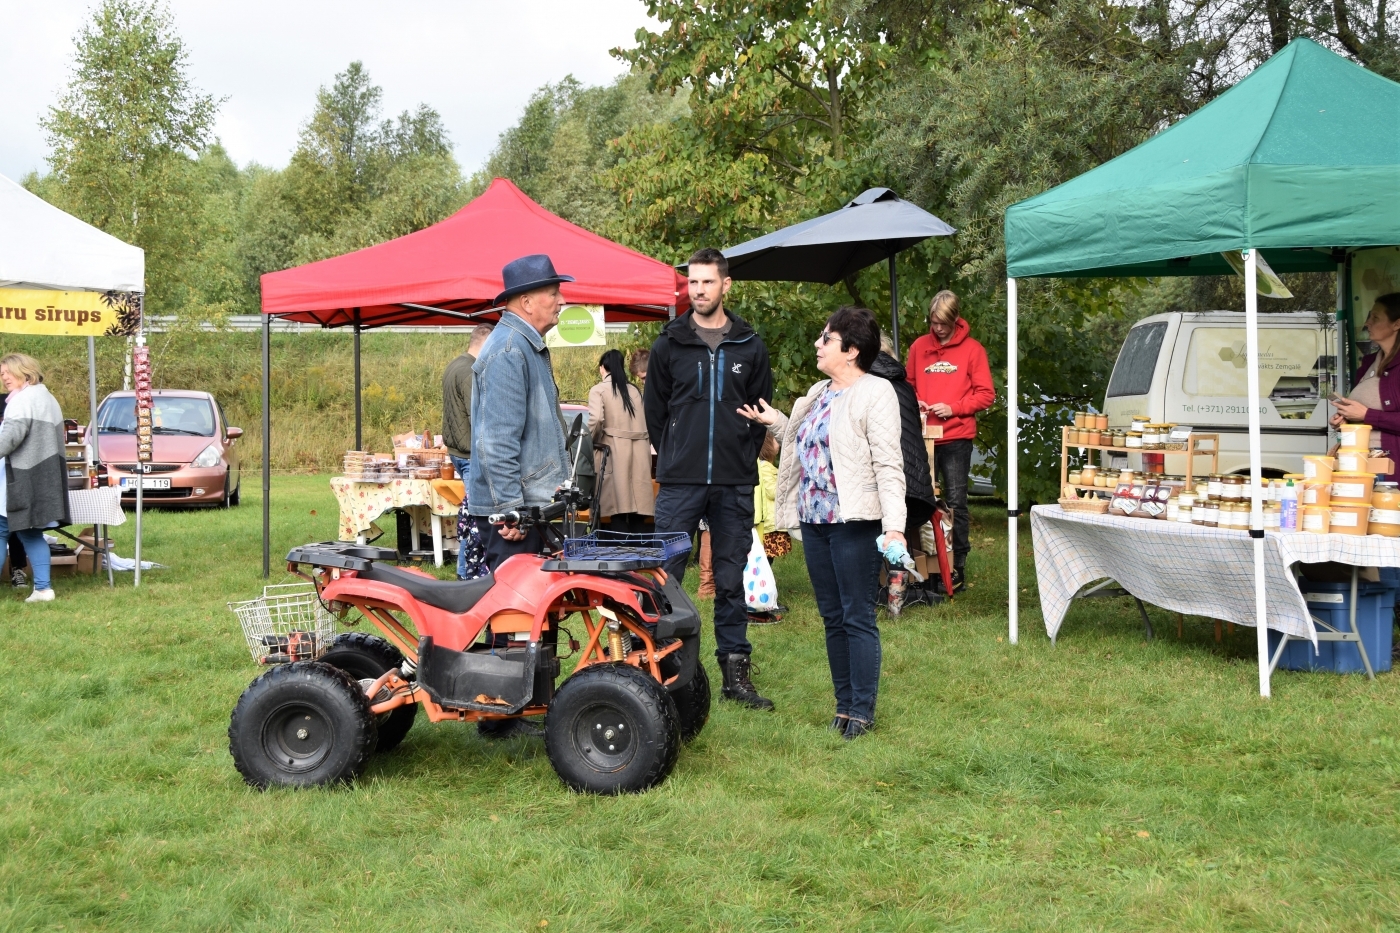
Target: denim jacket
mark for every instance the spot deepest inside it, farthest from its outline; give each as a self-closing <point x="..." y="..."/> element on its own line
<point x="518" y="455"/>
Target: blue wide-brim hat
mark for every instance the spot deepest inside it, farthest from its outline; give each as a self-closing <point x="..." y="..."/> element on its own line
<point x="527" y="274"/>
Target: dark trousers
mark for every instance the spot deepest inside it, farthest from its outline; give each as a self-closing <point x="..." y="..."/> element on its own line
<point x="953" y="462"/>
<point x="844" y="567"/>
<point x="629" y="522"/>
<point x="463" y="466"/>
<point x="729" y="512"/>
<point x="498" y="548"/>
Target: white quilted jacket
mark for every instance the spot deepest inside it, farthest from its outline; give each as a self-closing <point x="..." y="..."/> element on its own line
<point x="865" y="454"/>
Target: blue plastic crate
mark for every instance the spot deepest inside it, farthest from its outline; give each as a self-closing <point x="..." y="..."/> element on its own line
<point x="620" y="545"/>
<point x="1375" y="616"/>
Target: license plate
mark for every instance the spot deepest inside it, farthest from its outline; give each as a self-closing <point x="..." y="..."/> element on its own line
<point x="149" y="482"/>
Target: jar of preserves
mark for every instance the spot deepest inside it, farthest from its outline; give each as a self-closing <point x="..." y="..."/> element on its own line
<point x="1120" y="439"/>
<point x="1133" y="440"/>
<point x="1352" y="459"/>
<point x="1076" y="478"/>
<point x="1355" y="435"/>
<point x="1214" y="487"/>
<point x="1101" y="421"/>
<point x="1314" y="519"/>
<point x="1079" y="419"/>
<point x="1348" y="519"/>
<point x="1385" y="510"/>
<point x="1210" y="516"/>
<point x="1149" y="437"/>
<point x="1232" y="488"/>
<point x="1273" y="516"/>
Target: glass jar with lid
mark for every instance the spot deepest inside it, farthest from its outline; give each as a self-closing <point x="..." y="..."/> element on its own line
<point x="1385" y="510"/>
<point x="1232" y="488"/>
<point x="1214" y="487"/>
<point x="1133" y="440"/>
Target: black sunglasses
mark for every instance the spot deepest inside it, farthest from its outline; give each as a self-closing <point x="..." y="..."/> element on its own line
<point x="825" y="336"/>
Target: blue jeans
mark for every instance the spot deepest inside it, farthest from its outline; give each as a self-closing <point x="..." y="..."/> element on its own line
<point x="35" y="548"/>
<point x="844" y="568"/>
<point x="463" y="466"/>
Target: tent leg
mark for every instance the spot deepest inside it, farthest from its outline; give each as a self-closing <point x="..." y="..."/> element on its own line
<point x="1013" y="492"/>
<point x="894" y="310"/>
<point x="92" y="401"/>
<point x="1256" y="510"/>
<point x="1343" y="374"/>
<point x="266" y="449"/>
<point x="359" y="433"/>
<point x="140" y="465"/>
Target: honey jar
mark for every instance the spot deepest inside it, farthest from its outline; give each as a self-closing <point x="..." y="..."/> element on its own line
<point x="1352" y="459"/>
<point x="1318" y="467"/>
<point x="1352" y="488"/>
<point x="1384" y="519"/>
<point x="1349" y="519"/>
<point x="1313" y="519"/>
<point x="1356" y="435"/>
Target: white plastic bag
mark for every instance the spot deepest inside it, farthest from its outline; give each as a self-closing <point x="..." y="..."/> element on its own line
<point x="760" y="587"/>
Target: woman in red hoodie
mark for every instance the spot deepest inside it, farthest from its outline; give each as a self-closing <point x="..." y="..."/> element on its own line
<point x="951" y="376"/>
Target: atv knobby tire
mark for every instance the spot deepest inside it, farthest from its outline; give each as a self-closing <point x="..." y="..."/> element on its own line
<point x="612" y="729"/>
<point x="301" y="725"/>
<point x="366" y="657"/>
<point x="693" y="703"/>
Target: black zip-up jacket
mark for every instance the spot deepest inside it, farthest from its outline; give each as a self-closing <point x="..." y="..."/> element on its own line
<point x="691" y="400"/>
<point x="918" y="481"/>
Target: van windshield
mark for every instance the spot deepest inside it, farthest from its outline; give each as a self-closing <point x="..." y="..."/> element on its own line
<point x="1137" y="361"/>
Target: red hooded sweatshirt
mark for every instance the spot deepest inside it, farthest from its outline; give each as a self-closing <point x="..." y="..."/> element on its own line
<point x="955" y="373"/>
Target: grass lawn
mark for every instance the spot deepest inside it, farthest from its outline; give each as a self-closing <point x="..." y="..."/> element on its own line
<point x="1107" y="783"/>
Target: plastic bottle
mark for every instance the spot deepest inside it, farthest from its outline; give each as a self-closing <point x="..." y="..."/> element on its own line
<point x="1288" y="514"/>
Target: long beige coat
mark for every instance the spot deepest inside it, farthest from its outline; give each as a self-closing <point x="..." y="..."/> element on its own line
<point x="627" y="478"/>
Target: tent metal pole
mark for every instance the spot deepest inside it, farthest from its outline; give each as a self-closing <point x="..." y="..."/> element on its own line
<point x="92" y="400"/>
<point x="266" y="448"/>
<point x="1343" y="337"/>
<point x="1013" y="444"/>
<point x="894" y="309"/>
<point x="1256" y="496"/>
<point x="141" y="467"/>
<point x="359" y="424"/>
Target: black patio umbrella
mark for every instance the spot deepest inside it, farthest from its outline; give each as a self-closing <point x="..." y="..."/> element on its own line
<point x="875" y="225"/>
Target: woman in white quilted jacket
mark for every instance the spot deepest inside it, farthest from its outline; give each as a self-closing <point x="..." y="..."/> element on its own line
<point x="841" y="482"/>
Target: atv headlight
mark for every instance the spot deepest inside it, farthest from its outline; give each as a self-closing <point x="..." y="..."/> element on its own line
<point x="208" y="457"/>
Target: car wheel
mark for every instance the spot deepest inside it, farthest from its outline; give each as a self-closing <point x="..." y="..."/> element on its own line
<point x="233" y="497"/>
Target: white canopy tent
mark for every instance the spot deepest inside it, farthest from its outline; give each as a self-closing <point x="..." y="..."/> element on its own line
<point x="43" y="248"/>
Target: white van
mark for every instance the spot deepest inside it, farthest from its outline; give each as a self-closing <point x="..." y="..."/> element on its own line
<point x="1189" y="368"/>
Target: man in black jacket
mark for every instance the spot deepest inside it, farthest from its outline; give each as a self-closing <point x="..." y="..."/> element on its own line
<point x="703" y="367"/>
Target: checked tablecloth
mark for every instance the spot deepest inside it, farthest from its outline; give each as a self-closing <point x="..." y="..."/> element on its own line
<point x="1187" y="568"/>
<point x="362" y="503"/>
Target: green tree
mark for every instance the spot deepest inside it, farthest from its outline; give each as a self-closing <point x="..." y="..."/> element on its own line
<point x="123" y="137"/>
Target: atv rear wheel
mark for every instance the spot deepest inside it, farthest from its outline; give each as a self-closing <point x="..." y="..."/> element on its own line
<point x="693" y="703"/>
<point x="301" y="725"/>
<point x="365" y="658"/>
<point x="612" y="729"/>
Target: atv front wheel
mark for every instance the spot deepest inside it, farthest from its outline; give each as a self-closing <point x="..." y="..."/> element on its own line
<point x="366" y="657"/>
<point x="301" y="725"/>
<point x="612" y="729"/>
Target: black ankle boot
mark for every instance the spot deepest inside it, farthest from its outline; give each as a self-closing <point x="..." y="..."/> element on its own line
<point x="737" y="685"/>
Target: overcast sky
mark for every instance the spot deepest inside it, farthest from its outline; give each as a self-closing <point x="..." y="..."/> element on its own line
<point x="476" y="62"/>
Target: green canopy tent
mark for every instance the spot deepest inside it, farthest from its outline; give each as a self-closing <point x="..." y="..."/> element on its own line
<point x="1299" y="162"/>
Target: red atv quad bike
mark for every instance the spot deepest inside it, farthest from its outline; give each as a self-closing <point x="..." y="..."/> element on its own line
<point x="490" y="649"/>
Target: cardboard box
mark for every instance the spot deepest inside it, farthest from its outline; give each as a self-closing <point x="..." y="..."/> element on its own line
<point x="1383" y="465"/>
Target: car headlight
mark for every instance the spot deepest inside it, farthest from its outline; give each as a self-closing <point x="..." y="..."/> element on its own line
<point x="208" y="457"/>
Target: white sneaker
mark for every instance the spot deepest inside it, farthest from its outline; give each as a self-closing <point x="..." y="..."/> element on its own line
<point x="41" y="596"/>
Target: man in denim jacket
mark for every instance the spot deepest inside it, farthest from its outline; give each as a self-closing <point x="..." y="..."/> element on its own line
<point x="518" y="448"/>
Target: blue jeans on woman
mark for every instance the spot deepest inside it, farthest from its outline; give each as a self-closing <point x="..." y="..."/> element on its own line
<point x="35" y="548"/>
<point x="844" y="568"/>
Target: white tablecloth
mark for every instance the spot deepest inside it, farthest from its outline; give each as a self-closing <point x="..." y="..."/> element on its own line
<point x="96" y="506"/>
<point x="1187" y="568"/>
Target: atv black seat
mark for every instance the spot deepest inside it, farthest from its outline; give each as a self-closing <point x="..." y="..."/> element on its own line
<point x="455" y="596"/>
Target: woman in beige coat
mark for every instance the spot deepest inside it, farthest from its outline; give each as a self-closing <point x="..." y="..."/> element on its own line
<point x="841" y="479"/>
<point x="618" y="423"/>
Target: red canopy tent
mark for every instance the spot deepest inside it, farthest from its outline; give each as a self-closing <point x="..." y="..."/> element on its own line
<point x="453" y="268"/>
<point x="450" y="273"/>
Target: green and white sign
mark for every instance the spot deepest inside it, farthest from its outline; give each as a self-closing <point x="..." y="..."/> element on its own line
<point x="579" y="326"/>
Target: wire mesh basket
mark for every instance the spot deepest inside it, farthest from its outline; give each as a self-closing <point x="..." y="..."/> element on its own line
<point x="619" y="545"/>
<point x="286" y="623"/>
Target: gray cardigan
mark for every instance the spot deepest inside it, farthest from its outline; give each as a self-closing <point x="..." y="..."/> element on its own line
<point x="36" y="476"/>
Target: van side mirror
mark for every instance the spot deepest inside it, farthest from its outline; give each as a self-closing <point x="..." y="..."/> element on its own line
<point x="233" y="434"/>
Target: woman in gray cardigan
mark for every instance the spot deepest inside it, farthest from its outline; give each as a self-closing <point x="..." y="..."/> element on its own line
<point x="35" y="490"/>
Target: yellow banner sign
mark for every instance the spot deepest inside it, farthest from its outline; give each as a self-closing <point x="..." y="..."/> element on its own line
<point x="68" y="314"/>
